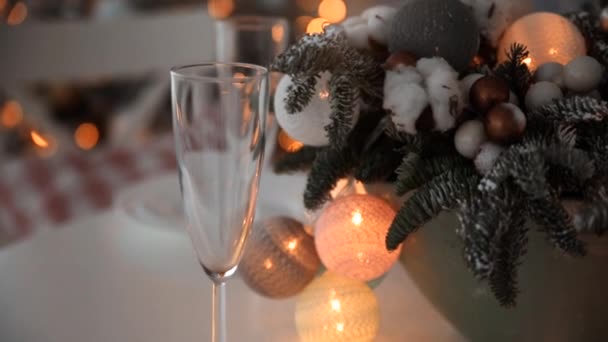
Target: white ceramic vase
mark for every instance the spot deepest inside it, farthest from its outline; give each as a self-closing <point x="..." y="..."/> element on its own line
<point x="561" y="299"/>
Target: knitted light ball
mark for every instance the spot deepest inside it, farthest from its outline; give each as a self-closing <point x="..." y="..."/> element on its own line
<point x="280" y="258"/>
<point x="436" y="28"/>
<point x="307" y="126"/>
<point x="350" y="237"/>
<point x="548" y="36"/>
<point x="335" y="308"/>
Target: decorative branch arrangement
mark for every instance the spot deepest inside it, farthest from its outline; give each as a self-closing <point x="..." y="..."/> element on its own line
<point x="499" y="145"/>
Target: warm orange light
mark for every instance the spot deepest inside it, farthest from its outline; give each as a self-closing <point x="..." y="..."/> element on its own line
<point x="11" y="115"/>
<point x="316" y="25"/>
<point x="278" y="33"/>
<point x="220" y="8"/>
<point x="357" y="218"/>
<point x="39" y="140"/>
<point x="2" y="5"/>
<point x="18" y="14"/>
<point x="332" y="10"/>
<point x="86" y="136"/>
<point x="528" y="61"/>
<point x="289" y="144"/>
<point x="291" y="245"/>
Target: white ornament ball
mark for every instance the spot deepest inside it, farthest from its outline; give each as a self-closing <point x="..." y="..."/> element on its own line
<point x="583" y="74"/>
<point x="550" y="72"/>
<point x="467" y="83"/>
<point x="469" y="137"/>
<point x="307" y="126"/>
<point x="379" y="20"/>
<point x="280" y="258"/>
<point x="487" y="156"/>
<point x="335" y="308"/>
<point x="549" y="37"/>
<point x="542" y="93"/>
<point x="350" y="237"/>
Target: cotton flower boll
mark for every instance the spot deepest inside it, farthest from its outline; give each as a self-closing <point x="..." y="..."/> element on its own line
<point x="542" y="93"/>
<point x="357" y="32"/>
<point x="469" y="137"/>
<point x="488" y="154"/>
<point x="378" y="22"/>
<point x="466" y="84"/>
<point x="400" y="75"/>
<point x="443" y="88"/>
<point x="494" y="17"/>
<point x="406" y="102"/>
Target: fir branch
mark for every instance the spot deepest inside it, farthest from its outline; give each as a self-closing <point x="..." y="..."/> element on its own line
<point x="572" y="110"/>
<point x="508" y="247"/>
<point x="300" y="92"/>
<point x="443" y="192"/>
<point x="478" y="219"/>
<point x="378" y="163"/>
<point x="525" y="166"/>
<point x="557" y="223"/>
<point x="297" y="161"/>
<point x="312" y="54"/>
<point x="575" y="160"/>
<point x="592" y="218"/>
<point x="514" y="71"/>
<point x="414" y="171"/>
<point x="343" y="100"/>
<point x="329" y="167"/>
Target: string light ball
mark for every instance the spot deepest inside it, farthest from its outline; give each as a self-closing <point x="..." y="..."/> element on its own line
<point x="334" y="308"/>
<point x="436" y="28"/>
<point x="350" y="237"/>
<point x="549" y="37"/>
<point x="307" y="126"/>
<point x="280" y="259"/>
<point x="495" y="16"/>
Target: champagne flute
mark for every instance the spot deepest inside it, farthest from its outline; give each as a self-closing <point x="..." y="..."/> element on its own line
<point x="219" y="121"/>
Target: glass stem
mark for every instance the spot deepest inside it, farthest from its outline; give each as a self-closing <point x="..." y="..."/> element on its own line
<point x="218" y="320"/>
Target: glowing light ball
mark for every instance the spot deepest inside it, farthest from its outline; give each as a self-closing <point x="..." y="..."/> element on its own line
<point x="350" y="235"/>
<point x="280" y="258"/>
<point x="549" y="37"/>
<point x="335" y="308"/>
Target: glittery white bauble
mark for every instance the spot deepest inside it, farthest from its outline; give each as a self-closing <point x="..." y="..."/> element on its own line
<point x="307" y="126"/>
<point x="487" y="156"/>
<point x="542" y="93"/>
<point x="350" y="237"/>
<point x="335" y="308"/>
<point x="469" y="137"/>
<point x="549" y="37"/>
<point x="550" y="72"/>
<point x="583" y="74"/>
<point x="280" y="258"/>
<point x="495" y="16"/>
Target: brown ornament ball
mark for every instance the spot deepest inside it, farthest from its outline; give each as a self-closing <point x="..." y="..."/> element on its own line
<point x="505" y="123"/>
<point x="487" y="92"/>
<point x="400" y="58"/>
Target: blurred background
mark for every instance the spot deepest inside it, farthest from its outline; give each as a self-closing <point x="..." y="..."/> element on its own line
<point x="77" y="75"/>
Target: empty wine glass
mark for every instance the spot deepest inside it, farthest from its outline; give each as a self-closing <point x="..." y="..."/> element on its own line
<point x="219" y="113"/>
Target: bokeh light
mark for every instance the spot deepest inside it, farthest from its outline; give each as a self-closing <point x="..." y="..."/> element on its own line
<point x="316" y="25"/>
<point x="220" y="9"/>
<point x="332" y="10"/>
<point x="86" y="136"/>
<point x="11" y="115"/>
<point x="17" y="14"/>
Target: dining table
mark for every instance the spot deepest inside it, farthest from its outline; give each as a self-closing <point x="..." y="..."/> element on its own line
<point x="103" y="255"/>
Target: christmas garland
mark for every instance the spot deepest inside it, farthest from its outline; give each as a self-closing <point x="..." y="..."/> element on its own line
<point x="502" y="139"/>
